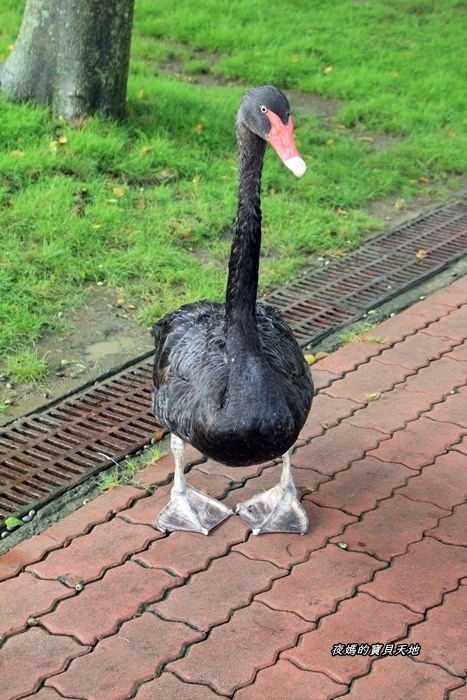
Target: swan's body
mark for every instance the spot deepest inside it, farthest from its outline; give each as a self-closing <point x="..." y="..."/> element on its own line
<point x="230" y="378"/>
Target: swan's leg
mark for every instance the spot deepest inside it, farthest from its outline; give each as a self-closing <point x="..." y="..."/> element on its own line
<point x="188" y="508"/>
<point x="278" y="509"/>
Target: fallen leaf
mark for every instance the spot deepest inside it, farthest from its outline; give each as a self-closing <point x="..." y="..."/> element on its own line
<point x="96" y="226"/>
<point x="329" y="142"/>
<point x="421" y="254"/>
<point x="321" y="355"/>
<point x="111" y="201"/>
<point x="328" y="70"/>
<point x="310" y="359"/>
<point x="198" y="129"/>
<point x="62" y="139"/>
<point x="119" y="191"/>
<point x="365" y="139"/>
<point x="145" y="149"/>
<point x="294" y="59"/>
<point x="343" y="545"/>
<point x="425" y="180"/>
<point x="18" y="154"/>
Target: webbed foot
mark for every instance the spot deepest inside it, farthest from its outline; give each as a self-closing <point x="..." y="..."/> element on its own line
<point x="275" y="510"/>
<point x="192" y="511"/>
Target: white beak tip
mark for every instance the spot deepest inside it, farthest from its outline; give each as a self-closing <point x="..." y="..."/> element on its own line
<point x="296" y="165"/>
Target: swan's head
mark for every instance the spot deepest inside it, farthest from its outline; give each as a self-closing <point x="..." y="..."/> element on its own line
<point x="266" y="112"/>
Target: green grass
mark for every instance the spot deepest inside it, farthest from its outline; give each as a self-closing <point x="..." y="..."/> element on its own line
<point x="147" y="206"/>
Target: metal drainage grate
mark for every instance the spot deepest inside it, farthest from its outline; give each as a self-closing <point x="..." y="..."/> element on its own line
<point x="325" y="299"/>
<point x="43" y="455"/>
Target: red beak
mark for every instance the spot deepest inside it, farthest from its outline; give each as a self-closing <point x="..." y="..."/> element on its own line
<point x="282" y="140"/>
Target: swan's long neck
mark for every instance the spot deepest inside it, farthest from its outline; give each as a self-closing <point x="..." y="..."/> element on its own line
<point x="242" y="282"/>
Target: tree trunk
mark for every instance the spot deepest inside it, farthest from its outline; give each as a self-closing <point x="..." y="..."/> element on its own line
<point x="72" y="55"/>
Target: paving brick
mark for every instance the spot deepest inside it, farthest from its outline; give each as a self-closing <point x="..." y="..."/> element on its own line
<point x="307" y="590"/>
<point x="452" y="295"/>
<point x="145" y="510"/>
<point x="306" y="480"/>
<point x="429" y="309"/>
<point x="116" y="597"/>
<point x="211" y="596"/>
<point x="459" y="353"/>
<point x="438" y="379"/>
<point x="25" y="596"/>
<point x="162" y="469"/>
<point x="359" y="488"/>
<point x="255" y="635"/>
<point x="406" y="679"/>
<point x="388" y="530"/>
<point x="443" y="635"/>
<point x="45" y="694"/>
<point x="285" y="551"/>
<point x="371" y="378"/>
<point x="453" y="409"/>
<point x="438" y="565"/>
<point x="96" y="511"/>
<point x="235" y="475"/>
<point x="460" y="446"/>
<point x="418" y="443"/>
<point x="30" y="657"/>
<point x="284" y="680"/>
<point x="86" y="558"/>
<point x="24" y="553"/>
<point x="416" y="350"/>
<point x="337" y="448"/>
<point x="327" y="411"/>
<point x="360" y="620"/>
<point x="321" y="377"/>
<point x="185" y="553"/>
<point x="350" y="356"/>
<point x="169" y="687"/>
<point x="451" y="530"/>
<point x="392" y="411"/>
<point x="136" y="654"/>
<point x="443" y="483"/>
<point x="459" y="693"/>
<point x="452" y="325"/>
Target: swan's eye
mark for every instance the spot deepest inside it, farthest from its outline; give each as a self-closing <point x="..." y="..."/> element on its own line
<point x="264" y="109"/>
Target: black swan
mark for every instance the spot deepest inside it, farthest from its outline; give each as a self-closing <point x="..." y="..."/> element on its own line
<point x="230" y="379"/>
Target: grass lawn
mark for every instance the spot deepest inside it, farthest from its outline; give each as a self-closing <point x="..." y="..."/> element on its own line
<point x="147" y="206"/>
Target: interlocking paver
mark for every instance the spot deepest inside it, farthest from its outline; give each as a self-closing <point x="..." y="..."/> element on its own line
<point x="169" y="687"/>
<point x="97" y="511"/>
<point x="235" y="475"/>
<point x="452" y="529"/>
<point x="443" y="635"/>
<point x="452" y="325"/>
<point x="26" y="552"/>
<point x="416" y="351"/>
<point x="360" y="620"/>
<point x="459" y="353"/>
<point x="45" y="694"/>
<point x="371" y="378"/>
<point x="286" y="551"/>
<point x="26" y="596"/>
<point x="459" y="693"/>
<point x="438" y="565"/>
<point x="453" y="409"/>
<point x="392" y="411"/>
<point x="120" y="662"/>
<point x="185" y="553"/>
<point x="418" y="443"/>
<point x="359" y="488"/>
<point x="350" y="356"/>
<point x="30" y="657"/>
<point x="327" y="411"/>
<point x="307" y="592"/>
<point x="461" y="446"/>
<point x="86" y="558"/>
<point x="116" y="597"/>
<point x="284" y="680"/>
<point x="322" y="377"/>
<point x="438" y="379"/>
<point x="406" y="679"/>
<point x="211" y="596"/>
<point x="337" y="448"/>
<point x="255" y="635"/>
<point x="394" y="524"/>
<point x="443" y="483"/>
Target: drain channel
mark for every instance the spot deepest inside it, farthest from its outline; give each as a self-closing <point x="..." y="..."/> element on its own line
<point x="43" y="455"/>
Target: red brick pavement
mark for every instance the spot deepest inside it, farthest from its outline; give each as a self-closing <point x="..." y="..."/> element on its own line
<point x="370" y="603"/>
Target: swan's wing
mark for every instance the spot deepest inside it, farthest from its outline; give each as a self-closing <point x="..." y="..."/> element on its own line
<point x="190" y="355"/>
<point x="284" y="354"/>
